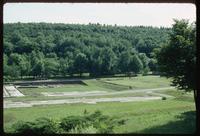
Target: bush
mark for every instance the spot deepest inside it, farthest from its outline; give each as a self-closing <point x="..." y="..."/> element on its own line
<point x="87" y="130"/>
<point x="94" y="123"/>
<point x="89" y="123"/>
<point x="22" y="127"/>
<point x="72" y="122"/>
<point x="40" y="126"/>
<point x="121" y="122"/>
<point x="164" y="98"/>
<point x="45" y="126"/>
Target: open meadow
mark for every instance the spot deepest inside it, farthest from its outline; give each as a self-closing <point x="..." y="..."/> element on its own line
<point x="124" y="98"/>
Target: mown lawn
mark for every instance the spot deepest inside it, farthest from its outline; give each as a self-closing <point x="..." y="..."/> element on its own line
<point x="63" y="88"/>
<point x="103" y="84"/>
<point x="141" y="82"/>
<point x="140" y="116"/>
<point x="159" y="116"/>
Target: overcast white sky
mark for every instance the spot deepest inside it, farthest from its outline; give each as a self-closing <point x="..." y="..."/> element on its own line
<point x="130" y="14"/>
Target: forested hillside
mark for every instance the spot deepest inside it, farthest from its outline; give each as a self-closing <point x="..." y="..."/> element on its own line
<point x="45" y="49"/>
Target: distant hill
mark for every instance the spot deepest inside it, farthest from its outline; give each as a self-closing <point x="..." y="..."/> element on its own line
<point x="99" y="47"/>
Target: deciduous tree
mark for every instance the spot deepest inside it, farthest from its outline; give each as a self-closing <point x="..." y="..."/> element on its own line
<point x="178" y="58"/>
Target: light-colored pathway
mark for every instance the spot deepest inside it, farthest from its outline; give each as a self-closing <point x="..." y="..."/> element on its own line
<point x="10" y="104"/>
<point x="5" y="93"/>
<point x="12" y="91"/>
<point x="102" y="93"/>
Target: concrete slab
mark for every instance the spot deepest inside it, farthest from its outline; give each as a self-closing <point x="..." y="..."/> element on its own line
<point x="13" y="91"/>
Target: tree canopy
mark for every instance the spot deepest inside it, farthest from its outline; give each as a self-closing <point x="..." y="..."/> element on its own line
<point x="177" y="59"/>
<point x="45" y="49"/>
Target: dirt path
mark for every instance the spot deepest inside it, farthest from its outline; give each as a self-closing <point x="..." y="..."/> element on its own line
<point x="103" y="93"/>
<point x="10" y="104"/>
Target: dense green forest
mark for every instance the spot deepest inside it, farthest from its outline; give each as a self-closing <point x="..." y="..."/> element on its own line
<point x="45" y="50"/>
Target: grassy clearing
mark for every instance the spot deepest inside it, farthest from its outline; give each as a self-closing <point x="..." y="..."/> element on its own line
<point x="139" y="115"/>
<point x="64" y="88"/>
<point x="179" y="94"/>
<point x="159" y="116"/>
<point x="41" y="97"/>
<point x="141" y="82"/>
<point x="92" y="85"/>
<point x="106" y="86"/>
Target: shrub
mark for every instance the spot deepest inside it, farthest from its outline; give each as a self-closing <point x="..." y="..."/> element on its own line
<point x="45" y="126"/>
<point x="82" y="129"/>
<point x="94" y="123"/>
<point x="164" y="98"/>
<point x="72" y="122"/>
<point x="89" y="123"/>
<point x="40" y="126"/>
<point x="22" y="127"/>
<point x="121" y="122"/>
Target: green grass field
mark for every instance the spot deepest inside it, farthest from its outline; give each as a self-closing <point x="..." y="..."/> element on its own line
<point x="141" y="82"/>
<point x="139" y="115"/>
<point x="175" y="115"/>
<point x="103" y="84"/>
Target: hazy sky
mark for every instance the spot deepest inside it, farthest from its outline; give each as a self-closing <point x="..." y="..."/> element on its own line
<point x="105" y="13"/>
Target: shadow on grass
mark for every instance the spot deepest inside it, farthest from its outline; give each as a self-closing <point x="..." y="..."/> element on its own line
<point x="186" y="124"/>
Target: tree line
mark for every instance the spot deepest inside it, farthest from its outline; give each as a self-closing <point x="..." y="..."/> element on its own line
<point x="46" y="50"/>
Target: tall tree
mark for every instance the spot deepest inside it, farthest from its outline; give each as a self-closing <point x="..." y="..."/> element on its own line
<point x="37" y="63"/>
<point x="108" y="61"/>
<point x="124" y="61"/>
<point x="135" y="64"/>
<point x="24" y="65"/>
<point x="50" y="67"/>
<point x="178" y="58"/>
<point x="145" y="62"/>
<point x="80" y="63"/>
<point x="63" y="66"/>
<point x="94" y="61"/>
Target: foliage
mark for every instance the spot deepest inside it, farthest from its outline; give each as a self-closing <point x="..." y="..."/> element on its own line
<point x="40" y="126"/>
<point x="72" y="122"/>
<point x="143" y="115"/>
<point x="164" y="98"/>
<point x="178" y="58"/>
<point x="80" y="63"/>
<point x="45" y="50"/>
<point x="93" y="123"/>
